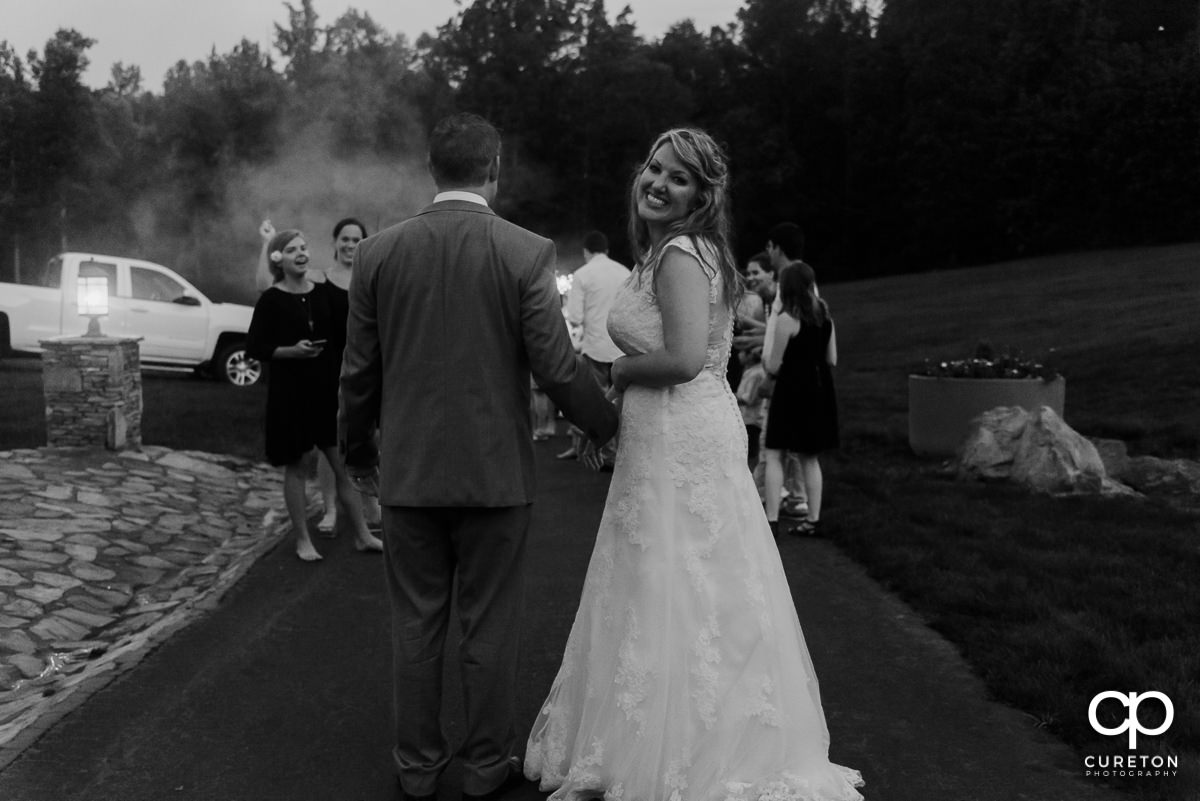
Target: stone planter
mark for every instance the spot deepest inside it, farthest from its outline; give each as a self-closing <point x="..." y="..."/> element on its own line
<point x="940" y="410"/>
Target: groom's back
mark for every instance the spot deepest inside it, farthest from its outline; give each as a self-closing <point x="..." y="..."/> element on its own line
<point x="464" y="301"/>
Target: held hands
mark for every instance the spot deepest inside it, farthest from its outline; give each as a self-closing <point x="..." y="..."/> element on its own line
<point x="590" y="454"/>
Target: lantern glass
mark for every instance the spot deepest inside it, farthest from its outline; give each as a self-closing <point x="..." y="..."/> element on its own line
<point x="93" y="295"/>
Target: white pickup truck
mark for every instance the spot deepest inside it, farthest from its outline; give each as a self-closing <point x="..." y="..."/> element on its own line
<point x="179" y="326"/>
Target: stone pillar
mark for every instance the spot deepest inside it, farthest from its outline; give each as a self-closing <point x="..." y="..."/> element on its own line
<point x="93" y="388"/>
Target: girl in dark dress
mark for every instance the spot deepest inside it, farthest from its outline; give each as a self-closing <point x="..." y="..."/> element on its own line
<point x="800" y="354"/>
<point x="295" y="329"/>
<point x="347" y="233"/>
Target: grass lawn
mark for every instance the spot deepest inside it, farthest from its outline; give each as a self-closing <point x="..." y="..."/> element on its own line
<point x="1052" y="600"/>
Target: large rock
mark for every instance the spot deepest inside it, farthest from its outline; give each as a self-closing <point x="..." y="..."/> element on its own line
<point x="1052" y="457"/>
<point x="1036" y="449"/>
<point x="988" y="450"/>
<point x="1115" y="455"/>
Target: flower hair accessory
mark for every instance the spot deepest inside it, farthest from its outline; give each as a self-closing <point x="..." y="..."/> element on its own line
<point x="276" y="256"/>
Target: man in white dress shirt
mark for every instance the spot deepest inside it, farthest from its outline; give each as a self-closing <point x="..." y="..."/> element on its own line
<point x="593" y="289"/>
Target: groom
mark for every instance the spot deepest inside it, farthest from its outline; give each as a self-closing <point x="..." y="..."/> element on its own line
<point x="450" y="311"/>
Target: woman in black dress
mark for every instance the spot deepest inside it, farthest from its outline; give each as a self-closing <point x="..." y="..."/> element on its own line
<point x="295" y="328"/>
<point x="800" y="354"/>
<point x="347" y="233"/>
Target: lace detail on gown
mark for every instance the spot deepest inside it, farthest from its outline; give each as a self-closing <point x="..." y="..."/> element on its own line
<point x="685" y="676"/>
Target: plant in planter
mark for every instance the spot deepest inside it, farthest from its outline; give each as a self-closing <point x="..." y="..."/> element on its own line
<point x="945" y="396"/>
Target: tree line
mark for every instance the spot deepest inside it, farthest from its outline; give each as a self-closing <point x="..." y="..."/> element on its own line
<point x="904" y="135"/>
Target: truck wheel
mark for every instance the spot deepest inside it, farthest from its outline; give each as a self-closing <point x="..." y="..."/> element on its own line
<point x="234" y="367"/>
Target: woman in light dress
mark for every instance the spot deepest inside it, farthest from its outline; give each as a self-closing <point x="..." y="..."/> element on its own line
<point x="685" y="676"/>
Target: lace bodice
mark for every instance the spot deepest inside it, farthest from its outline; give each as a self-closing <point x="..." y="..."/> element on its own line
<point x="635" y="322"/>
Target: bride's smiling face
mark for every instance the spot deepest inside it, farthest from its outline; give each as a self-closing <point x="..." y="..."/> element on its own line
<point x="666" y="190"/>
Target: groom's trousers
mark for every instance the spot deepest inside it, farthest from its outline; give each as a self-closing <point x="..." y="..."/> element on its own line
<point x="477" y="554"/>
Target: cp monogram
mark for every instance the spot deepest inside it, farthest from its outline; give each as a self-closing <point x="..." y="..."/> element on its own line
<point x="1131" y="723"/>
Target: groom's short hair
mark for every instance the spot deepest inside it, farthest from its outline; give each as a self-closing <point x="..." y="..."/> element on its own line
<point x="462" y="149"/>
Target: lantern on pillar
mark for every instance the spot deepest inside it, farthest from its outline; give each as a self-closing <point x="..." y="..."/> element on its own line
<point x="93" y="301"/>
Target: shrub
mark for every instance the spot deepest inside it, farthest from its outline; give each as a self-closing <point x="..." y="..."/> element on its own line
<point x="989" y="363"/>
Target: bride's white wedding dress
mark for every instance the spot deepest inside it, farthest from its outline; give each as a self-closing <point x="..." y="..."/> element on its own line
<point x="686" y="676"/>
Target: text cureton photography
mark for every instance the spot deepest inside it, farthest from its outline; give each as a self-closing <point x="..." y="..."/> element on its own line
<point x="1130" y="765"/>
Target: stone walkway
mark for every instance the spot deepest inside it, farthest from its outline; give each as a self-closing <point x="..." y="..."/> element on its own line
<point x="208" y="712"/>
<point x="102" y="554"/>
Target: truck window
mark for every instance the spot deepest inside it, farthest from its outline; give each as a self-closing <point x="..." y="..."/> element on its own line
<point x="153" y="285"/>
<point x="90" y="269"/>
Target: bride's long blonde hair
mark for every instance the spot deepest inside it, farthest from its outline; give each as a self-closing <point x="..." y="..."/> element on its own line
<point x="708" y="220"/>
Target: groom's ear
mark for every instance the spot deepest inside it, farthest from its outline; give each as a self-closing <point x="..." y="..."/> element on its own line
<point x="494" y="170"/>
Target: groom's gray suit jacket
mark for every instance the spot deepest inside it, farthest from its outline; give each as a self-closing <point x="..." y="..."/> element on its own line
<point x="450" y="311"/>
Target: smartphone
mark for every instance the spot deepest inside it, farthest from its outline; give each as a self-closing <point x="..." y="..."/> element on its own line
<point x="317" y="343"/>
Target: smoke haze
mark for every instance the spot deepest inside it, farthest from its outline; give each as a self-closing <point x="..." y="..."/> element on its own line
<point x="305" y="187"/>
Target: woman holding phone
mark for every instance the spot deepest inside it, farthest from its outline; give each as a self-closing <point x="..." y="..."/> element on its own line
<point x="295" y="329"/>
<point x="347" y="233"/>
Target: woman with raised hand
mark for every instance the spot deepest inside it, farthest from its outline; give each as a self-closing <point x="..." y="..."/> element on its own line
<point x="295" y="328"/>
<point x="347" y="233"/>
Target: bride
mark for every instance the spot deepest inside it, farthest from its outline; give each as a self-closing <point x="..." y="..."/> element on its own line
<point x="686" y="676"/>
